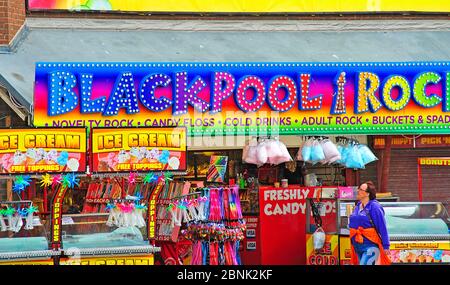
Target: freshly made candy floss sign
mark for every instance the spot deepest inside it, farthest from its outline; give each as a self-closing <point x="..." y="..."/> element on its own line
<point x="247" y="98"/>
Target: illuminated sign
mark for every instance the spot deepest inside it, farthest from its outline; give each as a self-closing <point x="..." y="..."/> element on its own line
<point x="28" y="262"/>
<point x="247" y="98"/>
<point x="56" y="217"/>
<point x="138" y="149"/>
<point x="152" y="209"/>
<point x="422" y="141"/>
<point x="112" y="260"/>
<point x="438" y="161"/>
<point x="42" y="150"/>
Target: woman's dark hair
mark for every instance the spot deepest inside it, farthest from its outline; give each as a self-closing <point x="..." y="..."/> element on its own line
<point x="371" y="189"/>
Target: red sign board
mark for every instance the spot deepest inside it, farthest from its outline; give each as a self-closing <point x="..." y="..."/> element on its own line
<point x="283" y="223"/>
<point x="250" y="247"/>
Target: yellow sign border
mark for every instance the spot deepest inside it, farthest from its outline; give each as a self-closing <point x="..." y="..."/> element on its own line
<point x="270" y="6"/>
<point x="110" y="260"/>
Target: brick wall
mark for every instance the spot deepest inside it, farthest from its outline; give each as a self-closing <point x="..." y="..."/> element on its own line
<point x="369" y="174"/>
<point x="12" y="17"/>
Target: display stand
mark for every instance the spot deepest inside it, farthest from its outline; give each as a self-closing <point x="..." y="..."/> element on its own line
<point x="167" y="233"/>
<point x="93" y="229"/>
<point x="26" y="246"/>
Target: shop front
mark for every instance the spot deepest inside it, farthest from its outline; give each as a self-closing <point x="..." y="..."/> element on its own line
<point x="209" y="163"/>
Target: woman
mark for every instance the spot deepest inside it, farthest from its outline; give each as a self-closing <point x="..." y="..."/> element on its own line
<point x="291" y="174"/>
<point x="368" y="232"/>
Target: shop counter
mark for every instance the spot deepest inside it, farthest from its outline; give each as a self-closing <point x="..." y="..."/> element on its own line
<point x="87" y="240"/>
<point x="27" y="246"/>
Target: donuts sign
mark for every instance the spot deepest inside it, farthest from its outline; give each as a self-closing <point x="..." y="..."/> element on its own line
<point x="42" y="150"/>
<point x="138" y="149"/>
<point x="247" y="98"/>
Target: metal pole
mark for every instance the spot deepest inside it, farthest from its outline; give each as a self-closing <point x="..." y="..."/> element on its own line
<point x="419" y="179"/>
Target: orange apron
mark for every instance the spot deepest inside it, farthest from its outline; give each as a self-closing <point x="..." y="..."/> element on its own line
<point x="370" y="234"/>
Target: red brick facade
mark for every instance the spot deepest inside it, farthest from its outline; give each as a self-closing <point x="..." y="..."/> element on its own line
<point x="12" y="17"/>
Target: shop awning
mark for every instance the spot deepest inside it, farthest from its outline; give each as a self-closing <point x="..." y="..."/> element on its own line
<point x="219" y="41"/>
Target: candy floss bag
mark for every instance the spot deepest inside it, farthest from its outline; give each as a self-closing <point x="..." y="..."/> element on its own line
<point x="318" y="238"/>
<point x="306" y="150"/>
<point x="273" y="151"/>
<point x="249" y="152"/>
<point x="354" y="159"/>
<point x="330" y="150"/>
<point x="317" y="152"/>
<point x="366" y="154"/>
<point x="262" y="156"/>
<point x="299" y="156"/>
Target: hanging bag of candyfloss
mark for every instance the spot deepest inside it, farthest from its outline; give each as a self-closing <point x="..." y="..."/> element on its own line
<point x="299" y="155"/>
<point x="273" y="151"/>
<point x="343" y="150"/>
<point x="354" y="159"/>
<point x="330" y="150"/>
<point x="319" y="233"/>
<point x="318" y="238"/>
<point x="317" y="152"/>
<point x="306" y="150"/>
<point x="249" y="152"/>
<point x="366" y="154"/>
<point x="283" y="153"/>
<point x="262" y="156"/>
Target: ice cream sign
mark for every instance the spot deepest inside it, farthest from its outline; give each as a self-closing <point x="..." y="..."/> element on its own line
<point x="247" y="98"/>
<point x="39" y="150"/>
<point x="138" y="149"/>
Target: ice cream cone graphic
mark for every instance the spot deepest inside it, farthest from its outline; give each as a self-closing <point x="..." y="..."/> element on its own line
<point x="31" y="156"/>
<point x="19" y="158"/>
<point x="124" y="157"/>
<point x="30" y="161"/>
<point x="134" y="155"/>
<point x="412" y="257"/>
<point x="134" y="159"/>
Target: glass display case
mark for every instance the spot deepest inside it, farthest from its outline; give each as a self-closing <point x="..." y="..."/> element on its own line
<point x="407" y="219"/>
<point x="88" y="236"/>
<point x="421" y="220"/>
<point x="21" y="242"/>
<point x="419" y="232"/>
